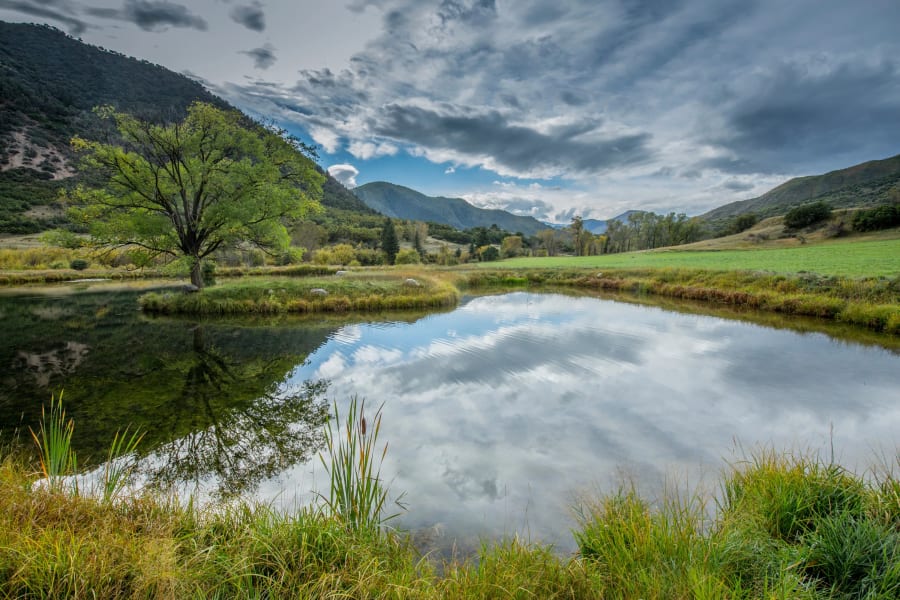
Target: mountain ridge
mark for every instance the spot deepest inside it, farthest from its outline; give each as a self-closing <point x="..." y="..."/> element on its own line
<point x="401" y="202"/>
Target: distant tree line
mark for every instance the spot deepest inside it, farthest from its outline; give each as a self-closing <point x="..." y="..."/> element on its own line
<point x="648" y="230"/>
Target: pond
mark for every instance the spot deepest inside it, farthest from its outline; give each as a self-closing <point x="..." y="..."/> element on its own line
<point x="499" y="414"/>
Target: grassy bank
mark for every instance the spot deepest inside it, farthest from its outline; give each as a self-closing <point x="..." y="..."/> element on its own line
<point x="37" y="276"/>
<point x="872" y="302"/>
<point x="847" y="258"/>
<point x="357" y="292"/>
<point x="787" y="527"/>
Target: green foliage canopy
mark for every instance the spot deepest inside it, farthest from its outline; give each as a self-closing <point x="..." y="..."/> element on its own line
<point x="187" y="188"/>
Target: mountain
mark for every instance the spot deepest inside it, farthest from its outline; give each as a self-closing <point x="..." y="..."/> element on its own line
<point x="335" y="195"/>
<point x="50" y="82"/>
<point x="597" y="226"/>
<point x="865" y="184"/>
<point x="401" y="202"/>
<point x="49" y="85"/>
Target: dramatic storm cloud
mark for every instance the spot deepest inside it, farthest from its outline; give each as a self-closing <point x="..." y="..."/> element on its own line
<point x="151" y="15"/>
<point x="58" y="11"/>
<point x="550" y="108"/>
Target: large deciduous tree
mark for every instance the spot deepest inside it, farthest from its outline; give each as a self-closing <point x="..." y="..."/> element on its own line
<point x="186" y="189"/>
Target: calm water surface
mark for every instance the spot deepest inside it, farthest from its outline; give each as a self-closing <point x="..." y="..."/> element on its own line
<point x="499" y="414"/>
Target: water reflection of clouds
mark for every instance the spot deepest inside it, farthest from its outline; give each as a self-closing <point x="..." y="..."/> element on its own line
<point x="496" y="413"/>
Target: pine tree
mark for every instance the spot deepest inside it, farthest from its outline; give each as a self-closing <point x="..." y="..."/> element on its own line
<point x="389" y="243"/>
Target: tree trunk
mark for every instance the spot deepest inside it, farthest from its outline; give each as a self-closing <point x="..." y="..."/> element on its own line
<point x="196" y="274"/>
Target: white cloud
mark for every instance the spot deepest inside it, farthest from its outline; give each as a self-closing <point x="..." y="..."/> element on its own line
<point x="326" y="137"/>
<point x="344" y="173"/>
<point x="449" y="170"/>
<point x="366" y="150"/>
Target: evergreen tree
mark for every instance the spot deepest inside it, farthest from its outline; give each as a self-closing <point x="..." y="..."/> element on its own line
<point x="417" y="243"/>
<point x="389" y="242"/>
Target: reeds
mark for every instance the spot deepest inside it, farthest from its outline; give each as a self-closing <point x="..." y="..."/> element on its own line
<point x="353" y="461"/>
<point x="59" y="463"/>
<point x="117" y="470"/>
<point x="54" y="442"/>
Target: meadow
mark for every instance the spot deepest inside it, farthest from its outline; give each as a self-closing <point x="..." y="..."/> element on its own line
<point x="848" y="258"/>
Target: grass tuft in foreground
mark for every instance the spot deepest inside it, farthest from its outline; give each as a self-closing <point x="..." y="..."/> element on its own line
<point x="54" y="442"/>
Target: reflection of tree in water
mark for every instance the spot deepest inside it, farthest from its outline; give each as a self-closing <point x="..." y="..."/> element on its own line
<point x="236" y="447"/>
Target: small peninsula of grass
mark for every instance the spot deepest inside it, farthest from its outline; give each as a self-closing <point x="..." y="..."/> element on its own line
<point x="348" y="292"/>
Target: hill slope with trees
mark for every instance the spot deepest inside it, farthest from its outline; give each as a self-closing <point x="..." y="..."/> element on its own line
<point x="50" y="83"/>
<point x="866" y="184"/>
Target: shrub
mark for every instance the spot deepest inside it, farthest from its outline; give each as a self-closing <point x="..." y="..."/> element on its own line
<point x="408" y="256"/>
<point x="257" y="258"/>
<point x="880" y="217"/>
<point x="323" y="257"/>
<point x="79" y="264"/>
<point x="489" y="253"/>
<point x="742" y="223"/>
<point x="291" y="256"/>
<point x="806" y="215"/>
<point x="342" y="254"/>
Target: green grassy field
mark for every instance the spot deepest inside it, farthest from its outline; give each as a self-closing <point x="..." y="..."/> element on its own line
<point x="848" y="258"/>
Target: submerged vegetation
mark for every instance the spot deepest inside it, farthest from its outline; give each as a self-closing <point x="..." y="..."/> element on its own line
<point x="784" y="526"/>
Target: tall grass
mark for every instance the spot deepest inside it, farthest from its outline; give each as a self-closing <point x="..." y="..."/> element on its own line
<point x="59" y="463"/>
<point x="357" y="494"/>
<point x="54" y="442"/>
<point x="785" y="526"/>
<point x="117" y="470"/>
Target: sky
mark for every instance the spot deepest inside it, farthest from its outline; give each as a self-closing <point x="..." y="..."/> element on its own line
<point x="549" y="108"/>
